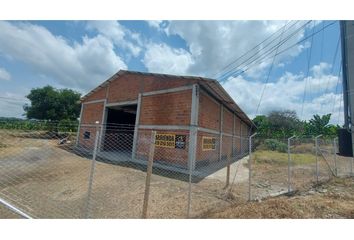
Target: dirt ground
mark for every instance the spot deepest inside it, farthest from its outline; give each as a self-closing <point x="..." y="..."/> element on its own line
<point x="46" y="181"/>
<point x="334" y="199"/>
<point x="49" y="181"/>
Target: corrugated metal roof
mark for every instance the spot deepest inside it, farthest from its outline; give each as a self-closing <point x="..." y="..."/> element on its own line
<point x="210" y="85"/>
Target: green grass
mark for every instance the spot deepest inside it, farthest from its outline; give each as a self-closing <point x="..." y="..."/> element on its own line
<point x="273" y="157"/>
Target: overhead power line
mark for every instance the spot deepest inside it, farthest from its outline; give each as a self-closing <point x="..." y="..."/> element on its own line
<point x="307" y="73"/>
<point x="15" y="99"/>
<point x="262" y="53"/>
<point x="333" y="63"/>
<point x="254" y="48"/>
<point x="269" y="72"/>
<point x="282" y="51"/>
<point x="338" y="80"/>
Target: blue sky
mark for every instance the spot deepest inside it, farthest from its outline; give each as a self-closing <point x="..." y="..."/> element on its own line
<point x="82" y="54"/>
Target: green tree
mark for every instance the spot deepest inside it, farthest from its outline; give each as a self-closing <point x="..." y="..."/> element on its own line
<point x="320" y="125"/>
<point x="48" y="103"/>
<point x="263" y="125"/>
<point x="284" y="123"/>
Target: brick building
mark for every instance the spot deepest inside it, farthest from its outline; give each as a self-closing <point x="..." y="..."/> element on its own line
<point x="195" y="119"/>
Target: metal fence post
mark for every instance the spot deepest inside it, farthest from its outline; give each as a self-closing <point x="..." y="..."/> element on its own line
<point x="148" y="174"/>
<point x="228" y="170"/>
<point x="316" y="143"/>
<point x="289" y="164"/>
<point x="189" y="191"/>
<point x="191" y="158"/>
<point x="92" y="171"/>
<point x="335" y="156"/>
<point x="250" y="167"/>
<point x="14" y="209"/>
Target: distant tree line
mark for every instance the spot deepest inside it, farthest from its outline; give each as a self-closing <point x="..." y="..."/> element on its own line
<point x="283" y="124"/>
<point x="50" y="109"/>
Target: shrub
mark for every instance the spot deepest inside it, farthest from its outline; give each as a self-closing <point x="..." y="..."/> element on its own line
<point x="67" y="126"/>
<point x="275" y="145"/>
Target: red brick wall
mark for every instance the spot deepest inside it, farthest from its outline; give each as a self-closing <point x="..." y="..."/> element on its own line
<point x="125" y="88"/>
<point x="166" y="109"/>
<point x="237" y="133"/>
<point x="209" y="112"/>
<point x="245" y="129"/>
<point x="152" y="83"/>
<point x="237" y="130"/>
<point x="87" y="143"/>
<point x="227" y="121"/>
<point x="226" y="146"/>
<point x="92" y="112"/>
<point x="100" y="94"/>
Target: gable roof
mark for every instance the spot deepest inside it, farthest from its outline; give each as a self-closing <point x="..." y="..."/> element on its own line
<point x="212" y="86"/>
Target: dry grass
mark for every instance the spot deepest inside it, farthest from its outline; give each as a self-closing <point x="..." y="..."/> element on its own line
<point x="334" y="199"/>
<point x="278" y="158"/>
<point x="303" y="148"/>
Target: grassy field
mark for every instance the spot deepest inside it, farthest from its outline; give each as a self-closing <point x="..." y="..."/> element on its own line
<point x="278" y="158"/>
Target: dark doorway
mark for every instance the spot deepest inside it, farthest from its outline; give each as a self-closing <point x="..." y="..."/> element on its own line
<point x="119" y="131"/>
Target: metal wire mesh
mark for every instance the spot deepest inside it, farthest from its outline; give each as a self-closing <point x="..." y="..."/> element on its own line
<point x="43" y="172"/>
<point x="295" y="164"/>
<point x="6" y="213"/>
<point x="302" y="152"/>
<point x="169" y="181"/>
<point x="119" y="171"/>
<point x="269" y="167"/>
<point x="220" y="175"/>
<point x="117" y="180"/>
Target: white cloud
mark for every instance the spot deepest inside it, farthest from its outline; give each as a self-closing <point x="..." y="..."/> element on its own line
<point x="110" y="29"/>
<point x="118" y="34"/>
<point x="214" y="44"/>
<point x="4" y="75"/>
<point x="12" y="104"/>
<point x="81" y="65"/>
<point x="154" y="23"/>
<point x="163" y="59"/>
<point x="287" y="93"/>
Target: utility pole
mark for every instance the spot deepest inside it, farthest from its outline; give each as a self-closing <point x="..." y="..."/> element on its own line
<point x="346" y="136"/>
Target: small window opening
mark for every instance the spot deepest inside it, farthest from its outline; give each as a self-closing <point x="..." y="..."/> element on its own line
<point x="87" y="135"/>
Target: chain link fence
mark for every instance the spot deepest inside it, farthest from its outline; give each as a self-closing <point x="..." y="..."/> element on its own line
<point x="119" y="171"/>
<point x="281" y="166"/>
<point x="43" y="173"/>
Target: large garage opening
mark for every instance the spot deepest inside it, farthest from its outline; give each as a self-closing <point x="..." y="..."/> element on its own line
<point x="119" y="131"/>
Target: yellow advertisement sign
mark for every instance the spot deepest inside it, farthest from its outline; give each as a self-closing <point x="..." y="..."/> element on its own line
<point x="165" y="140"/>
<point x="208" y="143"/>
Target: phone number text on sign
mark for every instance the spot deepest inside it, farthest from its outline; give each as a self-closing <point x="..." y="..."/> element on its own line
<point x="165" y="140"/>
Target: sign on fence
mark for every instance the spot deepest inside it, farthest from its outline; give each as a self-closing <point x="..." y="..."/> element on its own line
<point x="180" y="141"/>
<point x="165" y="140"/>
<point x="208" y="143"/>
<point x="170" y="140"/>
